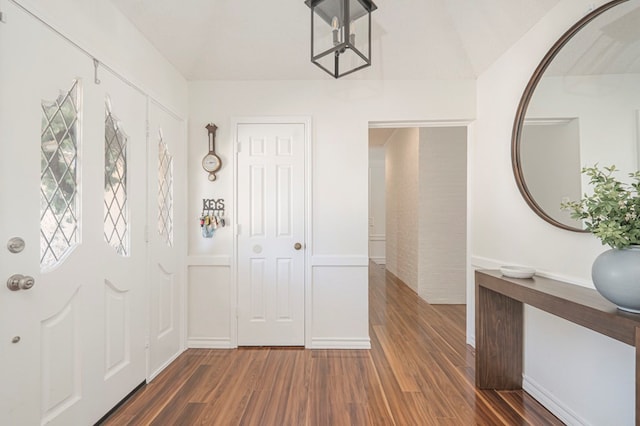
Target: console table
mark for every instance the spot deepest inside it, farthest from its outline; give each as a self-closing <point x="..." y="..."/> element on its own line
<point x="499" y="323"/>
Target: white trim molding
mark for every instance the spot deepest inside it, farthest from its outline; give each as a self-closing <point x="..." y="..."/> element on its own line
<point x="546" y="398"/>
<point x="471" y="341"/>
<point x="339" y="261"/>
<point x="211" y="343"/>
<point x="159" y="370"/>
<point x="478" y="262"/>
<point x="340" y="343"/>
<point x="548" y="121"/>
<point x="419" y="123"/>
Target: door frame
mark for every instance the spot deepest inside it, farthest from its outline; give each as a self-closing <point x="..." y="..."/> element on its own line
<point x="469" y="124"/>
<point x="308" y="218"/>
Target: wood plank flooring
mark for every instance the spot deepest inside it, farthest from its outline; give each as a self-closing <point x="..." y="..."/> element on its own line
<point x="418" y="372"/>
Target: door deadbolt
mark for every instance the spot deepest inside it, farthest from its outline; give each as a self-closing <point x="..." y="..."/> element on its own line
<point x="20" y="282"/>
<point x="15" y="245"/>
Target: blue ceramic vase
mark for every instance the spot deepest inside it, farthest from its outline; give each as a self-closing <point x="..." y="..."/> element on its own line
<point x="616" y="276"/>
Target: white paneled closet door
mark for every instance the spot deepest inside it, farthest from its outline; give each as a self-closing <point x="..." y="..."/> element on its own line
<point x="72" y="328"/>
<point x="271" y="235"/>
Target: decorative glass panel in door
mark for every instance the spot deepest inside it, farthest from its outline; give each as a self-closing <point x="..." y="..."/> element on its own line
<point x="116" y="214"/>
<point x="59" y="206"/>
<point x="165" y="193"/>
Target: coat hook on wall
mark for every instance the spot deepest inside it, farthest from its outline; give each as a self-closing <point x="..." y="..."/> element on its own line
<point x="96" y="63"/>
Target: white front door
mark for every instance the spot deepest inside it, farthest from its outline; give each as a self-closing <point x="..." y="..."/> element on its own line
<point x="165" y="138"/>
<point x="72" y="345"/>
<point x="270" y="241"/>
<point x="120" y="312"/>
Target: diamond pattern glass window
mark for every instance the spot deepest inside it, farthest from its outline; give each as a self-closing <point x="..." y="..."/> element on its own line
<point x="59" y="199"/>
<point x="116" y="210"/>
<point x="165" y="193"/>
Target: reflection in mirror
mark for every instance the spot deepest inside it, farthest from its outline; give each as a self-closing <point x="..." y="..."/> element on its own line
<point x="551" y="149"/>
<point x="580" y="108"/>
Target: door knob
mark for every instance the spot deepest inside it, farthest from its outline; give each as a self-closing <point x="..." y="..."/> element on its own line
<point x="20" y="282"/>
<point x="297" y="246"/>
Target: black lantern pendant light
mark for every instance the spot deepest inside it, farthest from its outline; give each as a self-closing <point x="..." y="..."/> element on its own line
<point x="341" y="35"/>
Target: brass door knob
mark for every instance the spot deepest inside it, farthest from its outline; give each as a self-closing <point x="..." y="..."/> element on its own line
<point x="297" y="246"/>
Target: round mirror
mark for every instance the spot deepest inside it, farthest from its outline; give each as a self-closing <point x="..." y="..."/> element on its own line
<point x="581" y="107"/>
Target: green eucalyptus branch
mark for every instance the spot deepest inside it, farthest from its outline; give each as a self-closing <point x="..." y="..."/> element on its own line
<point x="612" y="212"/>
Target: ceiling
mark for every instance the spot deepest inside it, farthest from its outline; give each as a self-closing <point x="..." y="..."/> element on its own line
<point x="269" y="39"/>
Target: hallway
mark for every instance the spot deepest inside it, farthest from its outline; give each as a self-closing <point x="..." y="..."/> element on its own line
<point x="418" y="372"/>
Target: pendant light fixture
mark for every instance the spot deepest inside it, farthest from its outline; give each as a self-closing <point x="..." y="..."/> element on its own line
<point x="341" y="35"/>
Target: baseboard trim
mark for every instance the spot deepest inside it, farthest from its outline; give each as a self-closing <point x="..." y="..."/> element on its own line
<point x="340" y="343"/>
<point x="471" y="341"/>
<point x="164" y="365"/>
<point x="379" y="260"/>
<point x="120" y="403"/>
<point x="456" y="299"/>
<point x="213" y="343"/>
<point x="394" y="278"/>
<point x="546" y="398"/>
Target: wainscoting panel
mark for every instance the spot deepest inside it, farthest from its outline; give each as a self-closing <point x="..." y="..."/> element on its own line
<point x="339" y="317"/>
<point x="209" y="316"/>
<point x="337" y="314"/>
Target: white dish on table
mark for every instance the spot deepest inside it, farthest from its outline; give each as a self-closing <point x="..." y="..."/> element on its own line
<point x="517" y="271"/>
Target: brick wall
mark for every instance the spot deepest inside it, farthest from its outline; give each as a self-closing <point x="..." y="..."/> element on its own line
<point x="442" y="214"/>
<point x="402" y="205"/>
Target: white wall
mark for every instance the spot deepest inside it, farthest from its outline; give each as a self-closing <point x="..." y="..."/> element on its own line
<point x="585" y="378"/>
<point x="341" y="111"/>
<point x="403" y="210"/>
<point x="100" y="28"/>
<point x="377" y="205"/>
<point x="442" y="215"/>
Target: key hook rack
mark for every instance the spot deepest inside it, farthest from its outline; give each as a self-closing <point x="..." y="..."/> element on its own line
<point x="211" y="205"/>
<point x="212" y="216"/>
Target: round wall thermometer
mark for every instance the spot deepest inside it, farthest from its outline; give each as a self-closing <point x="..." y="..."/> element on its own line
<point x="211" y="163"/>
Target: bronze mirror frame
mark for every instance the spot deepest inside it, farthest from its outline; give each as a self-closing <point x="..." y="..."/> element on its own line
<point x="516" y="163"/>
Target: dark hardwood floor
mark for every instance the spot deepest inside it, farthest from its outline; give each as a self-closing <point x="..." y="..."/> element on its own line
<point x="419" y="371"/>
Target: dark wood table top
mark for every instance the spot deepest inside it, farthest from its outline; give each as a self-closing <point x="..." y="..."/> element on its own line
<point x="581" y="305"/>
